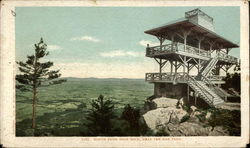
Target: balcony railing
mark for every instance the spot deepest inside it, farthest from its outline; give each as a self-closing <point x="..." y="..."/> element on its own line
<point x="177" y="77"/>
<point x="192" y="50"/>
<point x="157" y="50"/>
<point x="179" y="47"/>
<point x="176" y="47"/>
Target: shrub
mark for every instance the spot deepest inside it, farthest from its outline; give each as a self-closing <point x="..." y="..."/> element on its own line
<point x="131" y="115"/>
<point x="162" y="132"/>
<point x="187" y="108"/>
<point x="228" y="119"/>
<point x="185" y="118"/>
<point x="232" y="81"/>
<point x="202" y="116"/>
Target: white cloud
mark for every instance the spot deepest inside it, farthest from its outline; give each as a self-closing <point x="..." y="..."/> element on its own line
<point x="145" y="42"/>
<point x="120" y="53"/>
<point x="86" y="38"/>
<point x="53" y="47"/>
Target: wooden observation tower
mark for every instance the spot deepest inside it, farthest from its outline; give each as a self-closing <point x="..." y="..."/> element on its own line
<point x="192" y="56"/>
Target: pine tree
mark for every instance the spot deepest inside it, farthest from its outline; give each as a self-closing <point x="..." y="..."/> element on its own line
<point x="34" y="73"/>
<point x="100" y="117"/>
<point x="131" y="115"/>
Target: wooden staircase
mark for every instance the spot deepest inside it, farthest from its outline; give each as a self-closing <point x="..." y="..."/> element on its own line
<point x="203" y="87"/>
<point x="204" y="92"/>
<point x="208" y="67"/>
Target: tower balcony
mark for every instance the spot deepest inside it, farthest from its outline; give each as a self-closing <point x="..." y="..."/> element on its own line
<point x="225" y="58"/>
<point x="173" y="50"/>
<point x="177" y="48"/>
<point x="180" y="77"/>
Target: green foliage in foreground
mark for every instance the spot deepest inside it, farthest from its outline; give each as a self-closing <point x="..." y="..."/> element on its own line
<point x="131" y="115"/>
<point x="231" y="120"/>
<point x="232" y="81"/>
<point x="100" y="117"/>
<point x="185" y="118"/>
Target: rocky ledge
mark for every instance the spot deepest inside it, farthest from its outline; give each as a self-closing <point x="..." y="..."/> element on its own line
<point x="172" y="118"/>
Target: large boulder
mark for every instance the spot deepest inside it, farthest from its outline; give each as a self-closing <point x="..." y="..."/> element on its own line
<point x="166" y="115"/>
<point x="193" y="129"/>
<point x="162" y="116"/>
<point x="164" y="102"/>
<point x="219" y="131"/>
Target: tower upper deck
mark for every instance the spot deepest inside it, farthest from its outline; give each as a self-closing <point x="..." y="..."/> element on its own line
<point x="199" y="24"/>
<point x="198" y="17"/>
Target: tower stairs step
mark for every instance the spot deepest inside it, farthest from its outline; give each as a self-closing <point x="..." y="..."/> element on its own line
<point x="205" y="93"/>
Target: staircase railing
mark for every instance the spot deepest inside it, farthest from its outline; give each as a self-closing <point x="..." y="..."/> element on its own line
<point x="208" y="82"/>
<point x="226" y="57"/>
<point x="210" y="66"/>
<point x="205" y="92"/>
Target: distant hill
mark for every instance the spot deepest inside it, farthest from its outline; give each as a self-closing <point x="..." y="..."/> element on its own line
<point x="101" y="79"/>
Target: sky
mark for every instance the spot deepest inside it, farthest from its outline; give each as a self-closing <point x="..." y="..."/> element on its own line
<point x="106" y="42"/>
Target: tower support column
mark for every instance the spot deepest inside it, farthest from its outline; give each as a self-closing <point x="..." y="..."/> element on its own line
<point x="161" y="39"/>
<point x="186" y="32"/>
<point x="171" y="70"/>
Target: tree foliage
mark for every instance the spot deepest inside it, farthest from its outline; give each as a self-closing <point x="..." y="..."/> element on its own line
<point x="131" y="115"/>
<point x="100" y="117"/>
<point x="35" y="73"/>
<point x="232" y="81"/>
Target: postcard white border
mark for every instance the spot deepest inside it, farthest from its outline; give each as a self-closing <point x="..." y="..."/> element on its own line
<point x="7" y="87"/>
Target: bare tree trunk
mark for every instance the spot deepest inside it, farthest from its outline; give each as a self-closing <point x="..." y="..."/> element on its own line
<point x="34" y="94"/>
<point x="34" y="107"/>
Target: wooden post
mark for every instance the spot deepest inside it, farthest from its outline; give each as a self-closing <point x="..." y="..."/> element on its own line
<point x="185" y="41"/>
<point x="184" y="67"/>
<point x="171" y="62"/>
<point x="160" y="65"/>
<point x="188" y="93"/>
<point x="210" y="49"/>
<point x="211" y="44"/>
<point x="199" y="46"/>
<point x="200" y="39"/>
<point x="161" y="41"/>
<point x="185" y="34"/>
<point x="172" y="41"/>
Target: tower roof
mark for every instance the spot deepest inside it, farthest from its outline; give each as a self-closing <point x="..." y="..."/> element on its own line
<point x="199" y="22"/>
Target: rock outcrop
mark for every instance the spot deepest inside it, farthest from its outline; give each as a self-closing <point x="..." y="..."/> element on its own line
<point x="165" y="102"/>
<point x="162" y="116"/>
<point x="167" y="114"/>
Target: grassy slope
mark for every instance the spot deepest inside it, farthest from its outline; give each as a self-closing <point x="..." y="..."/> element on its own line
<point x="62" y="108"/>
